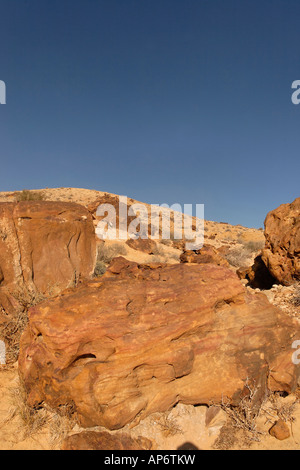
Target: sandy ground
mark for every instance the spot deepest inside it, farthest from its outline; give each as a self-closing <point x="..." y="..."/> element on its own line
<point x="183" y="426"/>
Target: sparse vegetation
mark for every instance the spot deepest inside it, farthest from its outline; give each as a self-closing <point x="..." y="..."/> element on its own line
<point x="158" y="250"/>
<point x="107" y="252"/>
<point x="32" y="420"/>
<point x="241" y="255"/>
<point x="12" y="329"/>
<point x="62" y="421"/>
<point x="244" y="416"/>
<point x="238" y="257"/>
<point x="59" y="421"/>
<point x="254" y="246"/>
<point x="168" y="425"/>
<point x="11" y="332"/>
<point x="26" y="195"/>
<point x="296" y="297"/>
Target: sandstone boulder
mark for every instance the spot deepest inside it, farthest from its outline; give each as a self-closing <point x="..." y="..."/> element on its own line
<point x="143" y="338"/>
<point x="45" y="247"/>
<point x="280" y="430"/>
<point x="207" y="254"/>
<point x="282" y="251"/>
<point x="145" y="245"/>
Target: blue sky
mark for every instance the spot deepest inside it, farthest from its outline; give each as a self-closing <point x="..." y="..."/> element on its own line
<point x="169" y="101"/>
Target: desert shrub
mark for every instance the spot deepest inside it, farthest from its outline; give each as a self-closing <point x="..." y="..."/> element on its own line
<point x="107" y="252"/>
<point x="32" y="419"/>
<point x="100" y="268"/>
<point x="252" y="245"/>
<point x="296" y="297"/>
<point x="157" y="259"/>
<point x="169" y="425"/>
<point x="26" y="195"/>
<point x="238" y="257"/>
<point x="175" y="256"/>
<point x="166" y="242"/>
<point x="11" y="330"/>
<point x="241" y="417"/>
<point x="158" y="250"/>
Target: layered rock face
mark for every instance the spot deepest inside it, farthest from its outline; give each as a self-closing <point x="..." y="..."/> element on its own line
<point x="44" y="247"/>
<point x="143" y="338"/>
<point x="282" y="251"/>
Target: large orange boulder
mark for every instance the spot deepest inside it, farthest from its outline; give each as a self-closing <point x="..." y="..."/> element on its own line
<point x="45" y="247"/>
<point x="282" y="251"/>
<point x="143" y="338"/>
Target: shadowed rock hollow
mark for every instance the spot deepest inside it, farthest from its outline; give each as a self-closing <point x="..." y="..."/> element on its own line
<point x="145" y="337"/>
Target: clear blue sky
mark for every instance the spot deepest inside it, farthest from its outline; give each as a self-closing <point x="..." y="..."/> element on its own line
<point x="165" y="101"/>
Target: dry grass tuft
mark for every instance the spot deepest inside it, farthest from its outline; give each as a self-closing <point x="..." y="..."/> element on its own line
<point x="241" y="255"/>
<point x="32" y="420"/>
<point x="107" y="252"/>
<point x="61" y="423"/>
<point x="244" y="416"/>
<point x="169" y="426"/>
<point x="295" y="300"/>
<point x="11" y="332"/>
<point x="13" y="327"/>
<point x="56" y="423"/>
<point x="26" y="195"/>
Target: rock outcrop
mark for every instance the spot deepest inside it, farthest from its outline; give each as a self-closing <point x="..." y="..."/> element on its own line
<point x="143" y="338"/>
<point x="45" y="247"/>
<point x="282" y="251"/>
<point x="145" y="245"/>
<point x="257" y="275"/>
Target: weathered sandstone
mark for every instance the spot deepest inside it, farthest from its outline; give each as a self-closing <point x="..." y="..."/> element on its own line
<point x="44" y="247"/>
<point x="143" y="338"/>
<point x="282" y="251"/>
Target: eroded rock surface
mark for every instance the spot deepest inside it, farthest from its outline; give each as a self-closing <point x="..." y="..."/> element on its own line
<point x="282" y="252"/>
<point x="143" y="338"/>
<point x="45" y="247"/>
